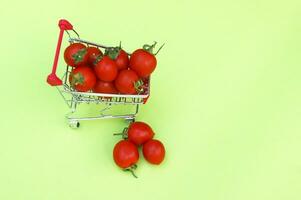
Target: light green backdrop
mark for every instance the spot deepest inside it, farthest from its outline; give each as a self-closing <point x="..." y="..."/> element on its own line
<point x="225" y="101"/>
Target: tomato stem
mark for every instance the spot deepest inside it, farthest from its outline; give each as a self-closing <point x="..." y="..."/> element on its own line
<point x="159" y="49"/>
<point x="139" y="86"/>
<point x="132" y="170"/>
<point x="149" y="48"/>
<point x="124" y="133"/>
<point x="97" y="59"/>
<point x="113" y="52"/>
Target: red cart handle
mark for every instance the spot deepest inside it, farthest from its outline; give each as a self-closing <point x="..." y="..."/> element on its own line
<point x="52" y="78"/>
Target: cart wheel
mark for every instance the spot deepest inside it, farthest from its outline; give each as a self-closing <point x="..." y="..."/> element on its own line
<point x="74" y="124"/>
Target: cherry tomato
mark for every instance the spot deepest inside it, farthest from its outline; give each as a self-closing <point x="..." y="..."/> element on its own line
<point x="125" y="154"/>
<point x="139" y="133"/>
<point x="153" y="151"/>
<point x="76" y="54"/>
<point x="105" y="87"/>
<point x="106" y="69"/>
<point x="82" y="78"/>
<point x="126" y="80"/>
<point x="143" y="62"/>
<point x="93" y="53"/>
<point x="120" y="57"/>
<point x="122" y="60"/>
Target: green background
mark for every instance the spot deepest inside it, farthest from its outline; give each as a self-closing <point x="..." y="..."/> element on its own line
<point x="225" y="101"/>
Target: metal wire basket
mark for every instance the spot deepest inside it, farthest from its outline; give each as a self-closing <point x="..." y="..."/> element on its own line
<point x="74" y="98"/>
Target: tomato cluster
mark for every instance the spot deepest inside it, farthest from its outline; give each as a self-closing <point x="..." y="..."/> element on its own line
<point x="116" y="72"/>
<point x="138" y="134"/>
<point x="112" y="72"/>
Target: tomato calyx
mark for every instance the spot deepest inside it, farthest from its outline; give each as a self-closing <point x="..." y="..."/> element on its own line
<point x="139" y="86"/>
<point x="77" y="78"/>
<point x="97" y="59"/>
<point x="132" y="170"/>
<point x="113" y="52"/>
<point x="150" y="48"/>
<point x="79" y="55"/>
<point x="124" y="133"/>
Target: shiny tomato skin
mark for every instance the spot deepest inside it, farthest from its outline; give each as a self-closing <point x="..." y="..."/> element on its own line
<point x="106" y="69"/>
<point x="139" y="133"/>
<point x="153" y="151"/>
<point x="143" y="62"/>
<point x="125" y="154"/>
<point x="82" y="78"/>
<point x="125" y="81"/>
<point x="93" y="53"/>
<point x="122" y="60"/>
<point x="105" y="87"/>
<point x="76" y="49"/>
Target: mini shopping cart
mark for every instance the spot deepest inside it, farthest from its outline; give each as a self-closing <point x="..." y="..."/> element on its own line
<point x="74" y="98"/>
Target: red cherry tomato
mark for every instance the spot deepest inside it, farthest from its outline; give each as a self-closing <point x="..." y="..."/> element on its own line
<point x="82" y="78"/>
<point x="125" y="81"/>
<point x="122" y="60"/>
<point x="105" y="87"/>
<point x="106" y="69"/>
<point x="125" y="154"/>
<point x="76" y="54"/>
<point x="153" y="151"/>
<point x="143" y="62"/>
<point x="139" y="133"/>
<point x="93" y="53"/>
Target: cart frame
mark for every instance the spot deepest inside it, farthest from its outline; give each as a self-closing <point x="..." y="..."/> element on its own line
<point x="73" y="98"/>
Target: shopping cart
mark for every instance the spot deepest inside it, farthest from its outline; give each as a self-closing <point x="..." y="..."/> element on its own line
<point x="74" y="98"/>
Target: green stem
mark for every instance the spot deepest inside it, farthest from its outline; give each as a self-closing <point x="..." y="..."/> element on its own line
<point x="132" y="170"/>
<point x="124" y="133"/>
<point x="159" y="49"/>
<point x="139" y="86"/>
<point x="149" y="48"/>
<point x="113" y="52"/>
<point x="98" y="58"/>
